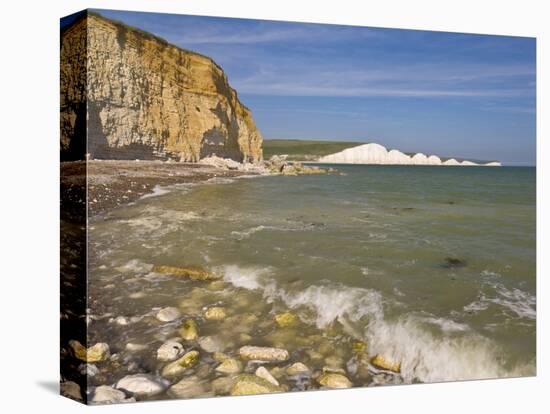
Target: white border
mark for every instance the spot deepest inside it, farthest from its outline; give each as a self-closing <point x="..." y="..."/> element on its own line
<point x="29" y="226"/>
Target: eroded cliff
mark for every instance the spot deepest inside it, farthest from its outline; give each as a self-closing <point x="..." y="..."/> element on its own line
<point x="141" y="97"/>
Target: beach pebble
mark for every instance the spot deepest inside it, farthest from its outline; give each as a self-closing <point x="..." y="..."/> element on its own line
<point x="247" y="384"/>
<point x="105" y="394"/>
<point x="215" y="313"/>
<point x="180" y="365"/>
<point x="168" y="314"/>
<point x="135" y="347"/>
<point x="88" y="369"/>
<point x="141" y="385"/>
<point x="190" y="387"/>
<point x="189" y="330"/>
<point x="96" y="353"/>
<point x="211" y="344"/>
<point x="258" y="353"/>
<point x="297" y="369"/>
<point x="262" y="372"/>
<point x="387" y="363"/>
<point x="230" y="366"/>
<point x="70" y="389"/>
<point x="169" y="351"/>
<point x="333" y="380"/>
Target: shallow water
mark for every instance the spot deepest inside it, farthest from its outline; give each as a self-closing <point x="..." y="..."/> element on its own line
<point x="363" y="254"/>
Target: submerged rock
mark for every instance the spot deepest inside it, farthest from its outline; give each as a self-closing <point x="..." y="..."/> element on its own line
<point x="141" y="385"/>
<point x="70" y="389"/>
<point x="286" y="319"/>
<point x="297" y="369"/>
<point x="262" y="372"/>
<point x="191" y="272"/>
<point x="215" y="313"/>
<point x="453" y="263"/>
<point x="222" y="385"/>
<point x="105" y="394"/>
<point x="263" y="353"/>
<point x="387" y="363"/>
<point x="170" y="350"/>
<point x="247" y="384"/>
<point x="132" y="347"/>
<point x="333" y="380"/>
<point x="98" y="352"/>
<point x="189" y="330"/>
<point x="211" y="344"/>
<point x="230" y="366"/>
<point x="189" y="387"/>
<point x="359" y="347"/>
<point x="168" y="314"/>
<point x="175" y="368"/>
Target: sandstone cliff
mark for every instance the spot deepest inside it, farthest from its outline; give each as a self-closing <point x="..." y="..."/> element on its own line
<point x="137" y="96"/>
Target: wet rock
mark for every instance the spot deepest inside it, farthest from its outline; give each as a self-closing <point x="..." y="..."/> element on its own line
<point x="222" y="385"/>
<point x="220" y="356"/>
<point x="387" y="363"/>
<point x="453" y="263"/>
<point x="105" y="394"/>
<point x="334" y="363"/>
<point x="211" y="344"/>
<point x="88" y="369"/>
<point x="247" y="384"/>
<point x="169" y="351"/>
<point x="190" y="387"/>
<point x="332" y="380"/>
<point x="140" y="385"/>
<point x="262" y="372"/>
<point x="286" y="319"/>
<point x="98" y="352"/>
<point x="168" y="314"/>
<point x="177" y="367"/>
<point x="135" y="347"/>
<point x="120" y="320"/>
<point x="230" y="366"/>
<point x="191" y="272"/>
<point x="258" y="353"/>
<point x="216" y="285"/>
<point x="189" y="330"/>
<point x="215" y="313"/>
<point x="70" y="389"/>
<point x="359" y="347"/>
<point x="297" y="369"/>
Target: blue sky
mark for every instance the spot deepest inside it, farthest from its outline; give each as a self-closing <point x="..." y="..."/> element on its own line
<point x="449" y="94"/>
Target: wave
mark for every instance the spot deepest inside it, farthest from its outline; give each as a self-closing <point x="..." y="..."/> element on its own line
<point x="457" y="353"/>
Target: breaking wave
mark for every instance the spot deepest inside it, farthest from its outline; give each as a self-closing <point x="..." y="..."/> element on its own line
<point x="457" y="353"/>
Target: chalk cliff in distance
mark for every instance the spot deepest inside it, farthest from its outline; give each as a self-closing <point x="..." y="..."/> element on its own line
<point x="136" y="96"/>
<point x="378" y="154"/>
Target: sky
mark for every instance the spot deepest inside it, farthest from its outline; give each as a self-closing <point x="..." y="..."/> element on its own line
<point x="449" y="94"/>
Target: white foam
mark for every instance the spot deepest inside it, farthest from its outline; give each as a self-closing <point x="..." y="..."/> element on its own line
<point x="157" y="191"/>
<point x="457" y="354"/>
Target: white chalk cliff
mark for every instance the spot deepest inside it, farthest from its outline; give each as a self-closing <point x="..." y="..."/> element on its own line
<point x="378" y="154"/>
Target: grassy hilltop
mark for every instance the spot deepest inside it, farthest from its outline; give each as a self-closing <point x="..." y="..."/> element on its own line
<point x="302" y="150"/>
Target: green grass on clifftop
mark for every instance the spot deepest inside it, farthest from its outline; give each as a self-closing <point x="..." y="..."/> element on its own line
<point x="302" y="150"/>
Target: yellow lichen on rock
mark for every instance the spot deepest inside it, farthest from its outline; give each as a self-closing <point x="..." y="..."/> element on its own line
<point x="189" y="360"/>
<point x="98" y="352"/>
<point x="189" y="330"/>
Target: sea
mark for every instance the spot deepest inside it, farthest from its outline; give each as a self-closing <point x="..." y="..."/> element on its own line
<point x="434" y="267"/>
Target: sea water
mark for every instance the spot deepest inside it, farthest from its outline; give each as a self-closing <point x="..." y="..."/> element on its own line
<point x="432" y="266"/>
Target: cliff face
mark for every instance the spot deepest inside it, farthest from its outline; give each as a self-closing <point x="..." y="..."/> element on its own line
<point x="147" y="99"/>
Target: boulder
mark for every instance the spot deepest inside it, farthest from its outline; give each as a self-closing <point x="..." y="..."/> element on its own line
<point x="387" y="363"/>
<point x="332" y="380"/>
<point x="230" y="366"/>
<point x="105" y="394"/>
<point x="140" y="385"/>
<point x="247" y="384"/>
<point x="258" y="353"/>
<point x="191" y="272"/>
<point x="262" y="372"/>
<point x="215" y="313"/>
<point x="286" y="319"/>
<point x="175" y="368"/>
<point x="189" y="330"/>
<point x="98" y="352"/>
<point x="168" y="314"/>
<point x="169" y="351"/>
